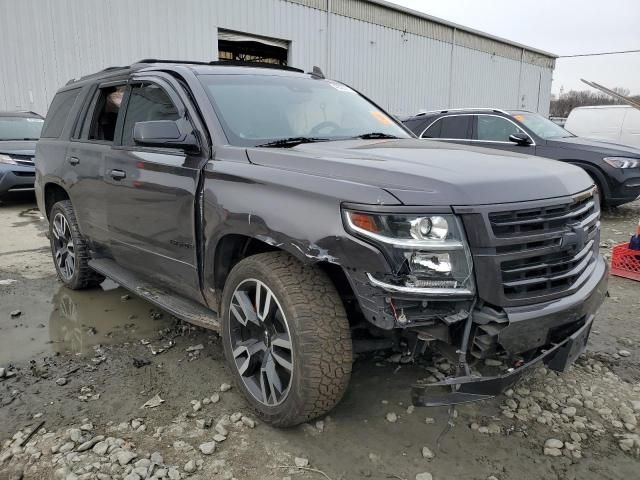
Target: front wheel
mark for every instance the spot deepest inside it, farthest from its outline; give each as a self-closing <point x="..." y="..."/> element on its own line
<point x="69" y="250"/>
<point x="286" y="338"/>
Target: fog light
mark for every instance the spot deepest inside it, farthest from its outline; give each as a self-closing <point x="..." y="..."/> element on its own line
<point x="430" y="262"/>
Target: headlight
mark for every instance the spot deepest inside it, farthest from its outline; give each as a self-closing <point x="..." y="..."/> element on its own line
<point x="425" y="251"/>
<point x="7" y="159"/>
<point x="622" y="162"/>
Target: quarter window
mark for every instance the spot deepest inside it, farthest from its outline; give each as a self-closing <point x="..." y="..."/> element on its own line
<point x="147" y="102"/>
<point x="495" y="129"/>
<point x="454" y="127"/>
<point x="59" y="113"/>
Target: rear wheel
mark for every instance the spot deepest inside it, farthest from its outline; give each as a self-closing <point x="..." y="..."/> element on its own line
<point x="69" y="250"/>
<point x="286" y="338"/>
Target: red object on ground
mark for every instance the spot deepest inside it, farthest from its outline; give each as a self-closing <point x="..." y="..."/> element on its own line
<point x="625" y="262"/>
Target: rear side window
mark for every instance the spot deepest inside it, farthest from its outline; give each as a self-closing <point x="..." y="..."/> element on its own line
<point x="58" y="114"/>
<point x="103" y="124"/>
<point x="456" y="127"/>
<point x="415" y="124"/>
<point x="147" y="102"/>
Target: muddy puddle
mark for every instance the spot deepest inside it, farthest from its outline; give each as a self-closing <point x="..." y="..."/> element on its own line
<point x="74" y="321"/>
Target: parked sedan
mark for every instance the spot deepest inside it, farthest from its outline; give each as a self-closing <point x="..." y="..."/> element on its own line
<point x="19" y="132"/>
<point x="614" y="168"/>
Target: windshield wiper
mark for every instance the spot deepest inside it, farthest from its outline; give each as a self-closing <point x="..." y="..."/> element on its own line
<point x="292" y="142"/>
<point x="374" y="135"/>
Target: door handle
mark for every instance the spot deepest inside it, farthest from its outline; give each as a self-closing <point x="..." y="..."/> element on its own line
<point x="73" y="160"/>
<point x="118" y="174"/>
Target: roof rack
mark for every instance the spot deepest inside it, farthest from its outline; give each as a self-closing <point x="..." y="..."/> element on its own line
<point x="230" y="63"/>
<point x="238" y="63"/>
<point x="156" y="60"/>
<point x="447" y="110"/>
<point x="84" y="77"/>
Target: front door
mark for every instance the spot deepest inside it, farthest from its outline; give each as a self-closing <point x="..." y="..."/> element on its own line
<point x="151" y="195"/>
<point x="493" y="131"/>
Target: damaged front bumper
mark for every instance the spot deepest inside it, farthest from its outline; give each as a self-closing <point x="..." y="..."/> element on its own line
<point x="466" y="389"/>
<point x="575" y="312"/>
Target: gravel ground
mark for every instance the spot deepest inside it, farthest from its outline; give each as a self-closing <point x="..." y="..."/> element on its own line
<point x="80" y="366"/>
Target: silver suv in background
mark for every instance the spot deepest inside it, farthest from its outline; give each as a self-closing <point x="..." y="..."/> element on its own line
<point x="19" y="132"/>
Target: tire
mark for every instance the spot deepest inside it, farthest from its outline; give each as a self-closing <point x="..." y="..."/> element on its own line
<point x="63" y="225"/>
<point x="320" y="338"/>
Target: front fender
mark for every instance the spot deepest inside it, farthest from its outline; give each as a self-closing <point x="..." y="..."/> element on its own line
<point x="291" y="211"/>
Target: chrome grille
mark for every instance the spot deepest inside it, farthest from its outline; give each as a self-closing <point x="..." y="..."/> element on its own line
<point x="535" y="251"/>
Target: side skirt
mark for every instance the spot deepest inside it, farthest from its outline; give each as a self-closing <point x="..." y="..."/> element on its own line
<point x="178" y="306"/>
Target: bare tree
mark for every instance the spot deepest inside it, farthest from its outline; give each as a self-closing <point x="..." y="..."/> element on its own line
<point x="561" y="106"/>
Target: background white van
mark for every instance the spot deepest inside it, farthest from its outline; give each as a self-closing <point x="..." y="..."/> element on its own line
<point x="614" y="123"/>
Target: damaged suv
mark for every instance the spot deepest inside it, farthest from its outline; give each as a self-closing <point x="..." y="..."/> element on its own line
<point x="298" y="218"/>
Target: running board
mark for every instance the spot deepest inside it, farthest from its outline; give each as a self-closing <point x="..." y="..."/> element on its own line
<point x="178" y="306"/>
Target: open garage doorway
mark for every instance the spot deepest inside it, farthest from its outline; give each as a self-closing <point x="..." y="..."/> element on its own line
<point x="243" y="47"/>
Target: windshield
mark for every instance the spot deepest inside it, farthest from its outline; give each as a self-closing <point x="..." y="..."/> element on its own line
<point x="259" y="109"/>
<point x="20" y="128"/>
<point x="541" y="126"/>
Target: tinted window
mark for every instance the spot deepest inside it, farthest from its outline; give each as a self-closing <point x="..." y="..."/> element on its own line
<point x="456" y="127"/>
<point x="495" y="129"/>
<point x="103" y="125"/>
<point x="147" y="102"/>
<point x="433" y="131"/>
<point x="59" y="113"/>
<point x="416" y="125"/>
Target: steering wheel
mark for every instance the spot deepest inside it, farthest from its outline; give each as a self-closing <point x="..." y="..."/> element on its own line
<point x="324" y="125"/>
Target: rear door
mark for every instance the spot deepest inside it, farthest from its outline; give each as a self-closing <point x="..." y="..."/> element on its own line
<point x="151" y="193"/>
<point x="90" y="145"/>
<point x="451" y="128"/>
<point x="493" y="131"/>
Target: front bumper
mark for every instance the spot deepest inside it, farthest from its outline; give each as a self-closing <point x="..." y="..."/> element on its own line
<point x="471" y="388"/>
<point x="526" y="325"/>
<point x="16" y="178"/>
<point x="623" y="186"/>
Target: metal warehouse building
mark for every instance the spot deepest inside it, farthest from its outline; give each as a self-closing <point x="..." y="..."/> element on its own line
<point x="404" y="60"/>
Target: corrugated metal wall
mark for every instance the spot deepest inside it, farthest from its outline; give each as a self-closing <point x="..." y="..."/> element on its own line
<point x="404" y="63"/>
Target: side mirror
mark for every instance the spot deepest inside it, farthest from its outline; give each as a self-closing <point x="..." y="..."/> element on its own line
<point x="164" y="133"/>
<point x="520" y="138"/>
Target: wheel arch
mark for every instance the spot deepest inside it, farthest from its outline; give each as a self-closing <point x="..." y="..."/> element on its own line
<point x="234" y="247"/>
<point x="53" y="193"/>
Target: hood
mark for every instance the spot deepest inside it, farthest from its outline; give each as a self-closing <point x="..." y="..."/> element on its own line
<point x="18" y="147"/>
<point x="595" y="146"/>
<point x="423" y="172"/>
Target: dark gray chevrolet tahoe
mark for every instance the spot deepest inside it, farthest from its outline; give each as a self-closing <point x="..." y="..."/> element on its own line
<point x="306" y="224"/>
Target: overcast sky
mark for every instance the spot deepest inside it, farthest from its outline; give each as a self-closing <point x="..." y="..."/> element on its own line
<point x="563" y="27"/>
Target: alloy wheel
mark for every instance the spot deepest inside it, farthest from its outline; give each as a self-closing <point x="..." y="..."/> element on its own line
<point x="64" y="252"/>
<point x="261" y="342"/>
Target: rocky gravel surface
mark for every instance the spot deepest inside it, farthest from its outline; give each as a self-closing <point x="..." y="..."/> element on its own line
<point x="100" y="385"/>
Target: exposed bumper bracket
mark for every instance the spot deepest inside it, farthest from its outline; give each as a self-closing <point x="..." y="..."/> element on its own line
<point x="465" y="389"/>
